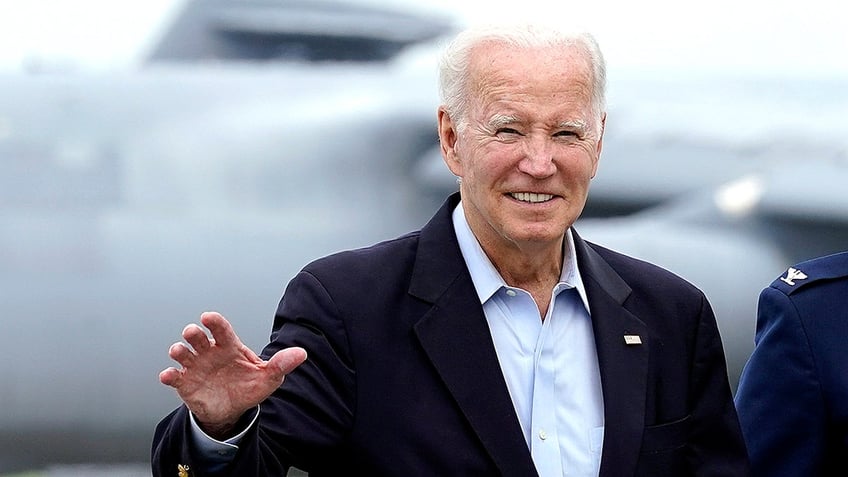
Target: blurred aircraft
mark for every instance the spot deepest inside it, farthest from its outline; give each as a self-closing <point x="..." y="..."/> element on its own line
<point x="132" y="201"/>
<point x="292" y="30"/>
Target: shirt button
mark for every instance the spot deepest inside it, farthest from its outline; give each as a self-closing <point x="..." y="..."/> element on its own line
<point x="543" y="435"/>
<point x="511" y="292"/>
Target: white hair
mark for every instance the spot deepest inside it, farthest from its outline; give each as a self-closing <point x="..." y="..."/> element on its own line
<point x="456" y="57"/>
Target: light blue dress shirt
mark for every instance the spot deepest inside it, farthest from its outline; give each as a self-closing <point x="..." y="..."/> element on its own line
<point x="550" y="366"/>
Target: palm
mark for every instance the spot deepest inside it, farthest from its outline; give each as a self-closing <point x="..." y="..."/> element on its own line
<point x="221" y="378"/>
<point x="228" y="379"/>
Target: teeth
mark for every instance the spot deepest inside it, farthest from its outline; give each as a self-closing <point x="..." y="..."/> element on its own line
<point x="531" y="197"/>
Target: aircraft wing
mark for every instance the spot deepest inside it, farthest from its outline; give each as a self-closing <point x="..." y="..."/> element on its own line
<point x="313" y="30"/>
<point x="812" y="192"/>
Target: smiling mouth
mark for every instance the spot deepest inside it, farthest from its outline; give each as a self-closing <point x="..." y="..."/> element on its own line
<point x="531" y="197"/>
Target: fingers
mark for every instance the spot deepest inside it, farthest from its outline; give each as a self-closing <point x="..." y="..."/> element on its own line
<point x="199" y="348"/>
<point x="196" y="337"/>
<point x="181" y="353"/>
<point x="170" y="377"/>
<point x="199" y="342"/>
<point x="185" y="355"/>
<point x="222" y="331"/>
<point x="286" y="360"/>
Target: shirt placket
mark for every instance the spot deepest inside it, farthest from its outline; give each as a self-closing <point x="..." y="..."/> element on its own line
<point x="545" y="447"/>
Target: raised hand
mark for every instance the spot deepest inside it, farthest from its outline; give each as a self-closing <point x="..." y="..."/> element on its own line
<point x="220" y="378"/>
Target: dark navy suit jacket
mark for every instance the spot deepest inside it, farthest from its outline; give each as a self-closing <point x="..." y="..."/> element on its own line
<point x="402" y="376"/>
<point x="793" y="393"/>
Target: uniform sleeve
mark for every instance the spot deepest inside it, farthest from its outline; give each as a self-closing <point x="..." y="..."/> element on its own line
<point x="779" y="398"/>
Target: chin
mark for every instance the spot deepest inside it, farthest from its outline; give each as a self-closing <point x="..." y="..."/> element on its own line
<point x="532" y="234"/>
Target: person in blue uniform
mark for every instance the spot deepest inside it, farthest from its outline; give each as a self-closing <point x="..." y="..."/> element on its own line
<point x="792" y="398"/>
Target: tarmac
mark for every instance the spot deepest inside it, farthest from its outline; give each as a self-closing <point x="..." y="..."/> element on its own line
<point x="124" y="470"/>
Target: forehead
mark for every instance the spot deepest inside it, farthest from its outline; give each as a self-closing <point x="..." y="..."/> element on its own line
<point x="551" y="74"/>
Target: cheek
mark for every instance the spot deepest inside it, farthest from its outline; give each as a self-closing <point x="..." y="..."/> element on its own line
<point x="499" y="158"/>
<point x="581" y="164"/>
<point x="486" y="163"/>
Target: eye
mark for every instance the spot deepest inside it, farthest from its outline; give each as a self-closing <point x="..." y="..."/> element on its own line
<point x="507" y="131"/>
<point x="566" y="134"/>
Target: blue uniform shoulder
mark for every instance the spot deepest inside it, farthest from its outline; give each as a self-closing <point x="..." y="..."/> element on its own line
<point x="805" y="274"/>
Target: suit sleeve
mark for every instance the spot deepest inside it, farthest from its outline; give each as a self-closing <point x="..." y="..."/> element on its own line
<point x="305" y="422"/>
<point x="717" y="446"/>
<point x="779" y="397"/>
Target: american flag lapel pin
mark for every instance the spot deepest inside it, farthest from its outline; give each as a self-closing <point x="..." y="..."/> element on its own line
<point x="632" y="339"/>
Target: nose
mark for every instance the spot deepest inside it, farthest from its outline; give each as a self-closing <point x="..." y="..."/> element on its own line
<point x="537" y="160"/>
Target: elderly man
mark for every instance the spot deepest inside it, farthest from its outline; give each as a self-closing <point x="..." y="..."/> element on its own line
<point x="494" y="341"/>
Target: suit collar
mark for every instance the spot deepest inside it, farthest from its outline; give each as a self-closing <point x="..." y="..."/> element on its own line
<point x="438" y="261"/>
<point x="594" y="266"/>
<point x="623" y="366"/>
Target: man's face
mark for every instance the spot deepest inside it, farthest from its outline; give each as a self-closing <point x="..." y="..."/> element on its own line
<point x="531" y="145"/>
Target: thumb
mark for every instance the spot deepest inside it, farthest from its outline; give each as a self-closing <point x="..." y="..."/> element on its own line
<point x="286" y="360"/>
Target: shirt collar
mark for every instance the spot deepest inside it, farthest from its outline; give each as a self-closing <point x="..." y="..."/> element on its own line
<point x="487" y="281"/>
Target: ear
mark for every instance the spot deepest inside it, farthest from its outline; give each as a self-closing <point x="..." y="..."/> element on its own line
<point x="447" y="141"/>
<point x="600" y="145"/>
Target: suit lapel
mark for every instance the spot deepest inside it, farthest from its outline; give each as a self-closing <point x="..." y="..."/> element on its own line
<point x="456" y="338"/>
<point x="623" y="365"/>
